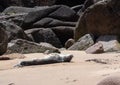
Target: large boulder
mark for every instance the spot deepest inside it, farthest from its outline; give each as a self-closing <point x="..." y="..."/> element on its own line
<point x="64" y="13"/>
<point x="102" y="18"/>
<point x="83" y="43"/>
<point x="60" y="12"/>
<point x="3" y="41"/>
<point x="35" y="16"/>
<point x="16" y="14"/>
<point x="44" y="35"/>
<point x="24" y="46"/>
<point x="13" y="31"/>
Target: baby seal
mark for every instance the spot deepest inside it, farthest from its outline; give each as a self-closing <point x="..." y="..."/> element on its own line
<point x="49" y="59"/>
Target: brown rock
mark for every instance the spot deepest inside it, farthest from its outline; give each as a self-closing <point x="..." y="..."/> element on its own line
<point x="24" y="46"/>
<point x="112" y="80"/>
<point x="95" y="49"/>
<point x="102" y="18"/>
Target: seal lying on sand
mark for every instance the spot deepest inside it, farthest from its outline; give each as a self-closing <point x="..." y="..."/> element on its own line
<point x="112" y="80"/>
<point x="49" y="59"/>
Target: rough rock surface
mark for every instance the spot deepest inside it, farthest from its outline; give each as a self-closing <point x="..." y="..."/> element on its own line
<point x="23" y="46"/>
<point x="59" y="12"/>
<point x="83" y="43"/>
<point x="110" y="43"/>
<point x="95" y="49"/>
<point x="19" y="9"/>
<point x="97" y="19"/>
<point x="112" y="80"/>
<point x="13" y="31"/>
<point x="44" y="35"/>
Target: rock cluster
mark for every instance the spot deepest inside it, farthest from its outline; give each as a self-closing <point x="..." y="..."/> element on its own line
<point x="32" y="3"/>
<point x="27" y="28"/>
<point x="102" y="20"/>
<point x="91" y="25"/>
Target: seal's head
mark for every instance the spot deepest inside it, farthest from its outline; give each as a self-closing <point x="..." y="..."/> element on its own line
<point x="68" y="58"/>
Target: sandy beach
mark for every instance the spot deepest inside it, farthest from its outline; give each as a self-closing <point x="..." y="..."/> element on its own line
<point x="80" y="71"/>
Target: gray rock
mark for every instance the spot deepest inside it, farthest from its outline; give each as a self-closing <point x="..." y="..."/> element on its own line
<point x="16" y="18"/>
<point x="44" y="35"/>
<point x="17" y="9"/>
<point x="83" y="43"/>
<point x="37" y="15"/>
<point x="64" y="13"/>
<point x="95" y="49"/>
<point x="23" y="46"/>
<point x="59" y="12"/>
<point x="13" y="31"/>
<point x="110" y="43"/>
<point x="101" y="18"/>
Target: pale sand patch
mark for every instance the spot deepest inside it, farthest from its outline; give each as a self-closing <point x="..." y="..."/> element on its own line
<point x="77" y="72"/>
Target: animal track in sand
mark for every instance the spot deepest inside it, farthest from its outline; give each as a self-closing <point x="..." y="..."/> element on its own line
<point x="104" y="61"/>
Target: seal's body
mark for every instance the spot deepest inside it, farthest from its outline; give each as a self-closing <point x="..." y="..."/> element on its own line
<point x="49" y="59"/>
